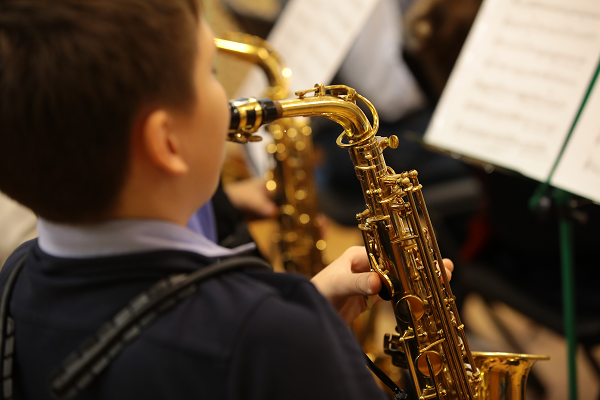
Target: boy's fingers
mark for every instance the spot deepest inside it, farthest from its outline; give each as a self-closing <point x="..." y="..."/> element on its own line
<point x="267" y="209"/>
<point x="374" y="283"/>
<point x="448" y="264"/>
<point x="367" y="284"/>
<point x="359" y="261"/>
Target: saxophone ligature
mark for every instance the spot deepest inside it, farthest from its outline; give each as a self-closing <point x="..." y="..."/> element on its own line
<point x="431" y="343"/>
<point x="291" y="180"/>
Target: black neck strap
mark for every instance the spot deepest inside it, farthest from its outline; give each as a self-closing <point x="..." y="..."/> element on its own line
<point x="399" y="394"/>
<point x="82" y="367"/>
<point x="7" y="334"/>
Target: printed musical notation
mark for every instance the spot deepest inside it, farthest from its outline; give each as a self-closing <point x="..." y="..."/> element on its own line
<point x="313" y="37"/>
<point x="592" y="164"/>
<point x="519" y="82"/>
<point x="578" y="170"/>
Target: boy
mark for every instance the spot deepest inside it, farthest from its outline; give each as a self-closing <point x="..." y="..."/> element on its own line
<point x="111" y="110"/>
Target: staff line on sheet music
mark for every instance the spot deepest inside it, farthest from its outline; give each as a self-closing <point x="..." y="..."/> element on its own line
<point x="552" y="56"/>
<point x="563" y="31"/>
<point x="531" y="125"/>
<point x="532" y="73"/>
<point x="544" y="6"/>
<point x="592" y="164"/>
<point x="488" y="88"/>
<point x="501" y="140"/>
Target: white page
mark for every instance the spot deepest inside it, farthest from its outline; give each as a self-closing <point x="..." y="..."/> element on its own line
<point x="578" y="170"/>
<point x="519" y="82"/>
<point x="312" y="37"/>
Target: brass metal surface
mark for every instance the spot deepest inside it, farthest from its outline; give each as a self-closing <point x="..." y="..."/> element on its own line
<point x="295" y="193"/>
<point x="291" y="181"/>
<point x="504" y="374"/>
<point x="400" y="240"/>
<point x="259" y="52"/>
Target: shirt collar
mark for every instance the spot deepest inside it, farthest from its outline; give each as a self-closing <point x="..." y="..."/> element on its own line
<point x="125" y="236"/>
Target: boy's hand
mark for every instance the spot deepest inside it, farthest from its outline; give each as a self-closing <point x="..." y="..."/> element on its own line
<point x="251" y="197"/>
<point x="346" y="281"/>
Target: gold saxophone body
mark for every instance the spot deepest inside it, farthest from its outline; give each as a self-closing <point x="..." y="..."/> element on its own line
<point x="431" y="342"/>
<point x="291" y="180"/>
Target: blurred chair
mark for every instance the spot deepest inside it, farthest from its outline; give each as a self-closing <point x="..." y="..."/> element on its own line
<point x="519" y="265"/>
<point x="493" y="287"/>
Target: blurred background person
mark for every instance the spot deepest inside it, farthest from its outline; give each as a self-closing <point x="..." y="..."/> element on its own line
<point x="17" y="224"/>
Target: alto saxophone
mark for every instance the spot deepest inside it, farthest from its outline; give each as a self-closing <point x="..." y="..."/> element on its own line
<point x="431" y="342"/>
<point x="291" y="180"/>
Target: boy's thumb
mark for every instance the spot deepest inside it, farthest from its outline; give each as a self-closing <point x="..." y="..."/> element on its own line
<point x="368" y="283"/>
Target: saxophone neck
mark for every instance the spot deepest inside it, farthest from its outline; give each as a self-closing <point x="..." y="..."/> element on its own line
<point x="337" y="103"/>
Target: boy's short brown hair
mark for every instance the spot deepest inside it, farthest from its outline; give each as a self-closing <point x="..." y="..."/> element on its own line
<point x="74" y="77"/>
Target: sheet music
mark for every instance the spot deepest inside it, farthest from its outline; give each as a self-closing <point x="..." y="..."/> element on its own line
<point x="519" y="82"/>
<point x="578" y="170"/>
<point x="312" y="37"/>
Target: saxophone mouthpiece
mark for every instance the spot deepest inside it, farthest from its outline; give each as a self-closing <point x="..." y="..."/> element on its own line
<point x="248" y="115"/>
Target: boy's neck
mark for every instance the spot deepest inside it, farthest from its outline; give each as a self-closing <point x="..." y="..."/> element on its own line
<point x="149" y="193"/>
<point x="155" y="200"/>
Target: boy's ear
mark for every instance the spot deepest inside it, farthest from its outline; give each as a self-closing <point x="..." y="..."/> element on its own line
<point x="162" y="144"/>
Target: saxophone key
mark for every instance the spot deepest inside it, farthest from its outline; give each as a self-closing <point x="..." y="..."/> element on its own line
<point x="435" y="360"/>
<point x="410" y="307"/>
